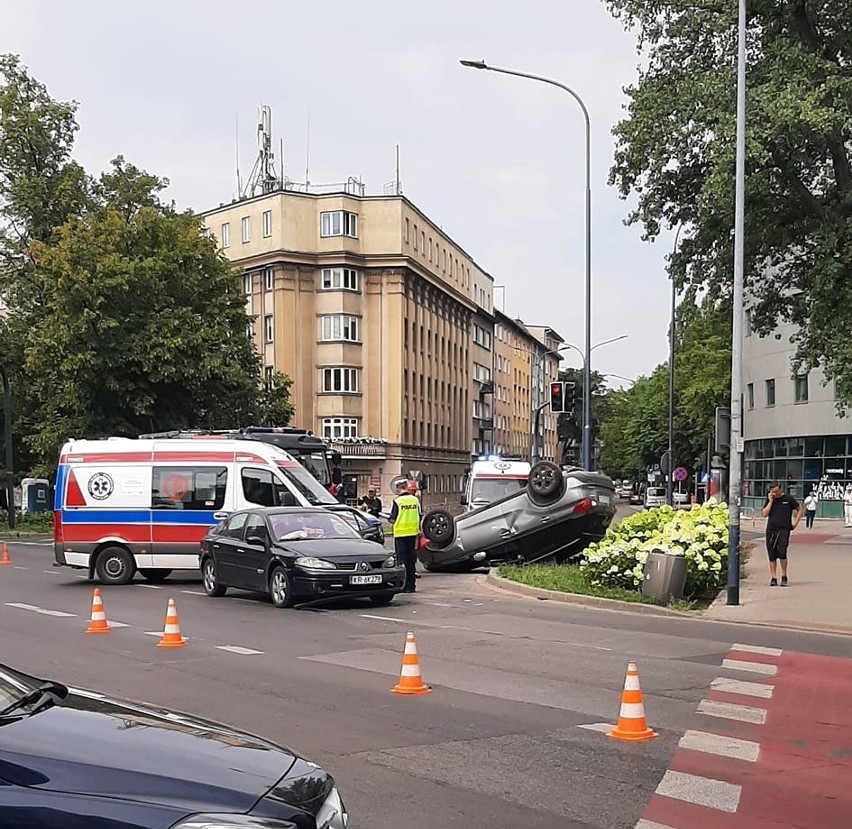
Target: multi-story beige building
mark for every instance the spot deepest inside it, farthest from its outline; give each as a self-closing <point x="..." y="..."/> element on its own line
<point x="383" y="323"/>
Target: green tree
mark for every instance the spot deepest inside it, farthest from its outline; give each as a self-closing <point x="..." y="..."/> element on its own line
<point x="676" y="152"/>
<point x="144" y="326"/>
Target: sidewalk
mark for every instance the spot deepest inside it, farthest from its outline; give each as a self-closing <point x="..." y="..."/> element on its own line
<point x="819" y="597"/>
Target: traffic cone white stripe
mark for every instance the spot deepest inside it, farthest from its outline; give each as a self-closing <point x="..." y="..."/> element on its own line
<point x="631" y="683"/>
<point x="410" y="670"/>
<point x="632" y="710"/>
<point x="410" y="648"/>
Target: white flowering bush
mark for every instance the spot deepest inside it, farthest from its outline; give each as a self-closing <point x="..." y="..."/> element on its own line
<point x="700" y="535"/>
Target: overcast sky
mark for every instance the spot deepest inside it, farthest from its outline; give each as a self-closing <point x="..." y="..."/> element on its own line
<point x="496" y="161"/>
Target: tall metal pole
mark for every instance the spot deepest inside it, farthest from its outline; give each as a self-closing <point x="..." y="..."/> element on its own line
<point x="587" y="362"/>
<point x="7" y="439"/>
<point x="669" y="486"/>
<point x="735" y="490"/>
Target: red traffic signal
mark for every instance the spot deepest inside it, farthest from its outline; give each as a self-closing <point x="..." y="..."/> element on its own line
<point x="557" y="397"/>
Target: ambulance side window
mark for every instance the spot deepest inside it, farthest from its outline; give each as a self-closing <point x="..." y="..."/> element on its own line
<point x="188" y="487"/>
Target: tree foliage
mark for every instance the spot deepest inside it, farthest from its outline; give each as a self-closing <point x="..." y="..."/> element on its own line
<point x="123" y="317"/>
<point x="676" y="152"/>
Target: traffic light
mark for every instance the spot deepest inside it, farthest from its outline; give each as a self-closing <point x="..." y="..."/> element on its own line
<point x="557" y="397"/>
<point x="569" y="396"/>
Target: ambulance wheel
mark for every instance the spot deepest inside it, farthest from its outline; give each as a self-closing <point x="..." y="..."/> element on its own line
<point x="155" y="574"/>
<point x="115" y="565"/>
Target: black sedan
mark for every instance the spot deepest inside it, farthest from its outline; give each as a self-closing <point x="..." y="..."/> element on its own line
<point x="368" y="526"/>
<point x="297" y="555"/>
<point x="557" y="515"/>
<point x="74" y="759"/>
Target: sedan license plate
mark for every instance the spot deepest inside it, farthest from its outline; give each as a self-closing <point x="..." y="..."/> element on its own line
<point x="604" y="499"/>
<point x="365" y="579"/>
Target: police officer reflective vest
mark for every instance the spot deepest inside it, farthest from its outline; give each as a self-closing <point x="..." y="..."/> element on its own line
<point x="408" y="516"/>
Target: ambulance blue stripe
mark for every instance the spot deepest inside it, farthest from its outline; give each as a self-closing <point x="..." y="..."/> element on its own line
<point x="118" y="516"/>
<point x="59" y="490"/>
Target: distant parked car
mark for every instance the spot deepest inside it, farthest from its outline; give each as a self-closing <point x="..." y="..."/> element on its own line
<point x="71" y="758"/>
<point x="296" y="554"/>
<point x="557" y="515"/>
<point x="680" y="499"/>
<point x="624" y="490"/>
<point x="655" y="496"/>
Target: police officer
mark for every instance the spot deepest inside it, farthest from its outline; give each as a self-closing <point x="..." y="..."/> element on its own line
<point x="405" y="518"/>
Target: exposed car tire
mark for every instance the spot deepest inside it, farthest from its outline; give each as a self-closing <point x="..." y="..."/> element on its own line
<point x="115" y="565"/>
<point x="279" y="588"/>
<point x="212" y="586"/>
<point x="546" y="483"/>
<point x="155" y="574"/>
<point x="381" y="599"/>
<point x="439" y="527"/>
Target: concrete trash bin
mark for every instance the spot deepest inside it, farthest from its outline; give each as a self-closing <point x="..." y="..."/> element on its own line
<point x="664" y="576"/>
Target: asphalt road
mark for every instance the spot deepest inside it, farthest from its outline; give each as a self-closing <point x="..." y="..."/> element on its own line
<point x="498" y="743"/>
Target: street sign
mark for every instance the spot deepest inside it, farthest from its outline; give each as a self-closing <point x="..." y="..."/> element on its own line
<point x="681" y="474"/>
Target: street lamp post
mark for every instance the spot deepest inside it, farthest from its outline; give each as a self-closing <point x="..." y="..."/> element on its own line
<point x="7" y="431"/>
<point x="669" y="486"/>
<point x="735" y="490"/>
<point x="587" y="361"/>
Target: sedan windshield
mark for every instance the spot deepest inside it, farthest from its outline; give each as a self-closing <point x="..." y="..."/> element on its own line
<point x="12" y="687"/>
<point x="309" y="525"/>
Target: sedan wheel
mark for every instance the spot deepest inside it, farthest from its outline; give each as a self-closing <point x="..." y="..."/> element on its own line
<point x="546" y="483"/>
<point x="279" y="588"/>
<point x="211" y="583"/>
<point x="438" y="527"/>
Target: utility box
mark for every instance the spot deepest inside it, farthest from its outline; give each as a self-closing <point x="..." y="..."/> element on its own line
<point x="35" y="495"/>
<point x="664" y="576"/>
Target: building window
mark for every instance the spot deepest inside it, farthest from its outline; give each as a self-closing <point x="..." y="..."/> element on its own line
<point x="339" y="223"/>
<point x="340" y="380"/>
<point x="267" y="224"/>
<point x="250" y="330"/>
<point x="747" y="323"/>
<point x="335" y="279"/>
<point x="246" y="229"/>
<point x="481" y="373"/>
<point x="423" y="242"/>
<point x="247" y="284"/>
<point x="340" y="327"/>
<point x="268" y="330"/>
<point x="226" y="235"/>
<point x="481" y="336"/>
<point x="802" y="388"/>
<point x="750" y="395"/>
<point x="770" y="392"/>
<point x="339" y="427"/>
<point x="268" y="377"/>
<point x="405" y="237"/>
<point x="268" y="279"/>
<point x="415" y="237"/>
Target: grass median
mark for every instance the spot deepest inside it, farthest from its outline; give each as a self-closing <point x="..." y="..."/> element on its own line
<point x="569" y="578"/>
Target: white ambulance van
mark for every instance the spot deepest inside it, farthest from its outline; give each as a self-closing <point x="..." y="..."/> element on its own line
<point x="493" y="478"/>
<point x="124" y="505"/>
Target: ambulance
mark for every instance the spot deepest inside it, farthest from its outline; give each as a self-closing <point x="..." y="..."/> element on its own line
<point x="124" y="505"/>
<point x="491" y="478"/>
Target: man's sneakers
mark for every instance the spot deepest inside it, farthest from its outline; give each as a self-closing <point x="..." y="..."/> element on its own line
<point x="783" y="581"/>
<point x="773" y="582"/>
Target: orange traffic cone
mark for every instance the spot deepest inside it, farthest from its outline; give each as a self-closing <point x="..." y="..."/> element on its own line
<point x="631" y="720"/>
<point x="171" y="633"/>
<point x="98" y="622"/>
<point x="5" y="558"/>
<point x="410" y="680"/>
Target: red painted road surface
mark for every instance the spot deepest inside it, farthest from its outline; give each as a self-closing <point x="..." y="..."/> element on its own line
<point x="802" y="776"/>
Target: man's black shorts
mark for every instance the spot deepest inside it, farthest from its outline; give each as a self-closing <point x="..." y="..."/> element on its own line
<point x="777" y="542"/>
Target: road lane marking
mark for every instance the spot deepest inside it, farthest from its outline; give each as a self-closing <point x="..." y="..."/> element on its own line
<point x="597" y="726"/>
<point x="722" y="746"/>
<point x="752" y="667"/>
<point x="388" y="619"/>
<point x="151" y="586"/>
<point x="649" y="824"/>
<point x="702" y="791"/>
<point x="237" y="649"/>
<point x="44" y="611"/>
<point x="19" y="567"/>
<point x="51" y="572"/>
<point x="194" y="592"/>
<point x="739" y="686"/>
<point x="757" y="649"/>
<point x="117" y="624"/>
<point x="732" y="711"/>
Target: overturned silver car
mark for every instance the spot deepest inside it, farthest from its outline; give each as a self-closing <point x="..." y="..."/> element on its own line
<point x="557" y="515"/>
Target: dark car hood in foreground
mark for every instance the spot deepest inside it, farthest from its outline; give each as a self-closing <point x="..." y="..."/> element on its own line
<point x="332" y="548"/>
<point x="95" y="746"/>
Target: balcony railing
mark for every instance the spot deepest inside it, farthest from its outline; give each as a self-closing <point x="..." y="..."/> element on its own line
<point x="360" y="447"/>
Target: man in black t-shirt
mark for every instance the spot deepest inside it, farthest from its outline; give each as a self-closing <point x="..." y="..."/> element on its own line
<point x="779" y="513"/>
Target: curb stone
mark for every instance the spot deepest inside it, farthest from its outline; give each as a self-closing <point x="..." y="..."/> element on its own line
<point x="499" y="583"/>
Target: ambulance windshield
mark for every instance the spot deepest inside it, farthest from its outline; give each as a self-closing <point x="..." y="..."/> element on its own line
<point x="312" y="490"/>
<point x="487" y="490"/>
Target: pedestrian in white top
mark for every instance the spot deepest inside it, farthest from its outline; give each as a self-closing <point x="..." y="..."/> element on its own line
<point x="847" y="506"/>
<point x="811" y="503"/>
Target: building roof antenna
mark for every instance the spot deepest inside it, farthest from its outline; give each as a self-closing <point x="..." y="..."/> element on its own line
<point x="263" y="177"/>
<point x="308" y="152"/>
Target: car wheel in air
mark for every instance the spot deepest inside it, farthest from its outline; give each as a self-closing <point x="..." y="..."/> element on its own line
<point x="279" y="588"/>
<point x="438" y="527"/>
<point x="155" y="574"/>
<point x="381" y="599"/>
<point x="212" y="587"/>
<point x="115" y="565"/>
<point x="546" y="483"/>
